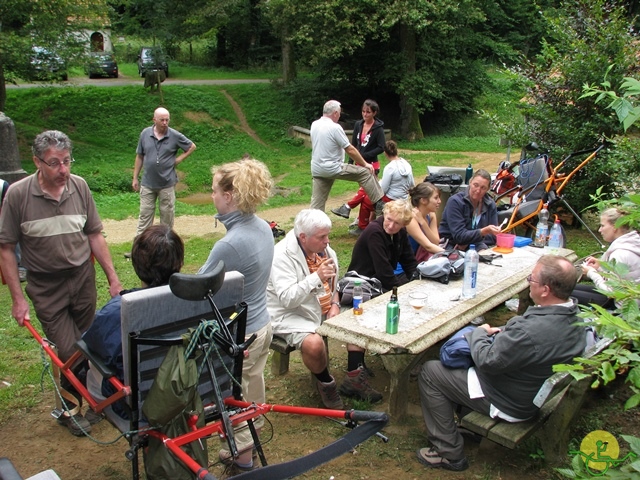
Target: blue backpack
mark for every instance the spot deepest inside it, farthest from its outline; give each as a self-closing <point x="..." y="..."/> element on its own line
<point x="456" y="353"/>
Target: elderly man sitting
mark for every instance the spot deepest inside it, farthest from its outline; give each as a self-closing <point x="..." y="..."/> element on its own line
<point x="302" y="292"/>
<point x="511" y="364"/>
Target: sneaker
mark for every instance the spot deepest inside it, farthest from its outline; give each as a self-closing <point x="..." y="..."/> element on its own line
<point x="227" y="459"/>
<point x="329" y="394"/>
<point x="127" y="255"/>
<point x="429" y="457"/>
<point x="92" y="416"/>
<point x="343" y="211"/>
<point x="378" y="207"/>
<point x="355" y="384"/>
<point x="235" y="469"/>
<point x="77" y="425"/>
<point x="355" y="231"/>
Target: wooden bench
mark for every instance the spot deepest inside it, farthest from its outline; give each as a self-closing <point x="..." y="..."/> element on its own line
<point x="280" y="359"/>
<point x="559" y="400"/>
<point x="281" y="351"/>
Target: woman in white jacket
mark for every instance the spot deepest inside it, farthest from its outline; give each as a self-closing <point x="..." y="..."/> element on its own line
<point x="624" y="248"/>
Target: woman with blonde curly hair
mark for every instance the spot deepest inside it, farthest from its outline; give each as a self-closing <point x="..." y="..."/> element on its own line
<point x="238" y="189"/>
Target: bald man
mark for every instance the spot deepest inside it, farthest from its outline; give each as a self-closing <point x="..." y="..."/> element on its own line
<point x="156" y="154"/>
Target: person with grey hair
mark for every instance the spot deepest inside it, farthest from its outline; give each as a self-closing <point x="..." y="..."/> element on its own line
<point x="510" y="365"/>
<point x="156" y="153"/>
<point x="54" y="218"/>
<point x="328" y="145"/>
<point x="471" y="216"/>
<point x="302" y="293"/>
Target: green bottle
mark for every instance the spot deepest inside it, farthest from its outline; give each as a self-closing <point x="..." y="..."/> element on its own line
<point x="393" y="312"/>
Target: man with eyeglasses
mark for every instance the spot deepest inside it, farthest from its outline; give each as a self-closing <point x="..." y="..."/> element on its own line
<point x="156" y="157"/>
<point x="54" y="218"/>
<point x="510" y="365"/>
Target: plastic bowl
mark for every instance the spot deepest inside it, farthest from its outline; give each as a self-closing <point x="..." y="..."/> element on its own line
<point x="505" y="240"/>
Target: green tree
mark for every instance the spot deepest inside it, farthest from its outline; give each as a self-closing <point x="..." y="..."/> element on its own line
<point x="53" y="25"/>
<point x="585" y="38"/>
<point x="423" y="51"/>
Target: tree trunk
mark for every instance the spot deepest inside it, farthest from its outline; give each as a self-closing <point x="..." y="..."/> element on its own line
<point x="288" y="62"/>
<point x="409" y="119"/>
<point x="221" y="48"/>
<point x="3" y="89"/>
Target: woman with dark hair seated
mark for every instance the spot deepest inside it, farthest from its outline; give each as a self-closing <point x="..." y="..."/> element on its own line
<point x="423" y="228"/>
<point x="157" y="253"/>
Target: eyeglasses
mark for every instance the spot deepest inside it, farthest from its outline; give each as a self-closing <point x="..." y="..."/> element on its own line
<point x="530" y="279"/>
<point x="56" y="163"/>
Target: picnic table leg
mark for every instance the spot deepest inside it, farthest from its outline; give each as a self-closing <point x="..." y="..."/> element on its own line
<point x="399" y="366"/>
<point x="524" y="301"/>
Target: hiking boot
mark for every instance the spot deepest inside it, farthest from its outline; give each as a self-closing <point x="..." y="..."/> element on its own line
<point x="77" y="425"/>
<point x="329" y="394"/>
<point x="378" y="207"/>
<point x="92" y="416"/>
<point x="355" y="384"/>
<point x="429" y="457"/>
<point x="343" y="211"/>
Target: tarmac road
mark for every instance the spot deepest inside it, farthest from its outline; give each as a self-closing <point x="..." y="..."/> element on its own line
<point x="123" y="81"/>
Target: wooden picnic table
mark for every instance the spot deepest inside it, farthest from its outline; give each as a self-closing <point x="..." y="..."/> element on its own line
<point x="443" y="315"/>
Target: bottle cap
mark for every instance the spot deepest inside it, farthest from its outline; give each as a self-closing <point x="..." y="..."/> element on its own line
<point x="357" y="282"/>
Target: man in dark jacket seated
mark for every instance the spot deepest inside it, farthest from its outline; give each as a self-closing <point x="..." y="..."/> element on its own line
<point x="157" y="253"/>
<point x="511" y="364"/>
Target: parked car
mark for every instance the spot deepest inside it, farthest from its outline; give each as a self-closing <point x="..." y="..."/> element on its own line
<point x="102" y="64"/>
<point x="152" y="58"/>
<point x="47" y="65"/>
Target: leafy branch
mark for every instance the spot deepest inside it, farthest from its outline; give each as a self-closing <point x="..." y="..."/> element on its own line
<point x="626" y="106"/>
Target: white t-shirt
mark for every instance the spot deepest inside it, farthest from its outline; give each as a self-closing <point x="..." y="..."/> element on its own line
<point x="328" y="142"/>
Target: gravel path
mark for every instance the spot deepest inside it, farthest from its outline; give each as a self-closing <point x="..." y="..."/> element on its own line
<point x="122" y="231"/>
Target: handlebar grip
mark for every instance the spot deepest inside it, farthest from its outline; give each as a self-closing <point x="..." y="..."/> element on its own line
<point x="247" y="343"/>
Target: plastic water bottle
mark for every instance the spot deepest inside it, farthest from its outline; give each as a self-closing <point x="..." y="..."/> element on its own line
<point x="468" y="174"/>
<point x="357" y="297"/>
<point x="470" y="280"/>
<point x="393" y="312"/>
<point x="556" y="238"/>
<point x="542" y="229"/>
